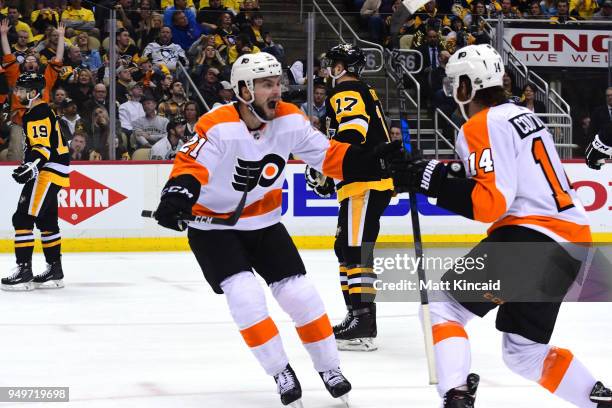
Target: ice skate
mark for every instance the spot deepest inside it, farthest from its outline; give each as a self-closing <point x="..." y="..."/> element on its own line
<point x="289" y="388"/>
<point x="21" y="280"/>
<point x="601" y="395"/>
<point x="344" y="323"/>
<point x="360" y="332"/>
<point x="51" y="278"/>
<point x="337" y="385"/>
<point x="463" y="397"/>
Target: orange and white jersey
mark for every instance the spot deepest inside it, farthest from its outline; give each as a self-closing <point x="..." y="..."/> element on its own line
<point x="223" y="148"/>
<point x="509" y="153"/>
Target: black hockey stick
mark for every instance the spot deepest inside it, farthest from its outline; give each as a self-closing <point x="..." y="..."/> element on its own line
<point x="229" y="221"/>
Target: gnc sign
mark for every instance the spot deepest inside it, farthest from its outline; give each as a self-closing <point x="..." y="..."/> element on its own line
<point x="85" y="198"/>
<point x="562" y="48"/>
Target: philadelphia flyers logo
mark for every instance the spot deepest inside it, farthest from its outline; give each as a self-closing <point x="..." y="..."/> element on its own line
<point x="263" y="172"/>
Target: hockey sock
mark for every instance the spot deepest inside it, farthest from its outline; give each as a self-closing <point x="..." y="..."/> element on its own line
<point x="24" y="245"/>
<point x="300" y="300"/>
<point x="52" y="245"/>
<point x="247" y="303"/>
<point x="344" y="286"/>
<point x="361" y="286"/>
<point x="555" y="369"/>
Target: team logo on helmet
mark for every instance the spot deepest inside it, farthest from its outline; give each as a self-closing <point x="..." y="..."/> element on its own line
<point x="263" y="172"/>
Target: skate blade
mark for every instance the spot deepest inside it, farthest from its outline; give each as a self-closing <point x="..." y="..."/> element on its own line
<point x="345" y="399"/>
<point x="295" y="404"/>
<point x="361" y="344"/>
<point x="20" y="287"/>
<point x="52" y="284"/>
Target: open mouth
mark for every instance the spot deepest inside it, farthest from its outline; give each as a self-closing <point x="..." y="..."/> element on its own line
<point x="272" y="105"/>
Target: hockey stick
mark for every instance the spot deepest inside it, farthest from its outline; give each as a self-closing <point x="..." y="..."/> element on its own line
<point x="228" y="222"/>
<point x="418" y="249"/>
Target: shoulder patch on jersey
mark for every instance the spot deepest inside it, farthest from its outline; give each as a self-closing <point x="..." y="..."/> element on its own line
<point x="527" y="124"/>
<point x="286" y="108"/>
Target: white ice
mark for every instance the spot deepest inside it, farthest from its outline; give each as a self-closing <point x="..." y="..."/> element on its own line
<point x="145" y="330"/>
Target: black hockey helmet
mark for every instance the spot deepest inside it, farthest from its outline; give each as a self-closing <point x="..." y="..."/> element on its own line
<point x="350" y="55"/>
<point x="31" y="81"/>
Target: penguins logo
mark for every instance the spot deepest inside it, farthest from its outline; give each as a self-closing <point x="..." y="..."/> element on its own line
<point x="263" y="172"/>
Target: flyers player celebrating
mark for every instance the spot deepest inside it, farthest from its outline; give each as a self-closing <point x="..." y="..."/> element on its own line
<point x="515" y="179"/>
<point x="355" y="116"/>
<point x="246" y="145"/>
<point x="44" y="172"/>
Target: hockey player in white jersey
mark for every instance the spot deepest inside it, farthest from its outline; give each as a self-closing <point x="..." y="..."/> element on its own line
<point x="246" y="145"/>
<point x="515" y="180"/>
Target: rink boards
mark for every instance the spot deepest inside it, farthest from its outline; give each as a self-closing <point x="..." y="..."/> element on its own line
<point x="101" y="210"/>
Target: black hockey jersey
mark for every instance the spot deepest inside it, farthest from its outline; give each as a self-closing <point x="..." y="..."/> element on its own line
<point x="355" y="115"/>
<point x="44" y="141"/>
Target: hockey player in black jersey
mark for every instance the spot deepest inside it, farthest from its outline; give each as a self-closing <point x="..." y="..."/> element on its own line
<point x="44" y="172"/>
<point x="354" y="115"/>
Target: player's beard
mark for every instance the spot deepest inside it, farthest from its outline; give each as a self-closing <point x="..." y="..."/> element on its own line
<point x="261" y="112"/>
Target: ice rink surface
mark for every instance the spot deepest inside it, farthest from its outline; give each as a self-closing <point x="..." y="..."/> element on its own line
<point x="145" y="330"/>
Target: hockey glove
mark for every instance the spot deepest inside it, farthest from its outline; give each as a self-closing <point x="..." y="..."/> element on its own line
<point x="387" y="153"/>
<point x="26" y="172"/>
<point x="314" y="178"/>
<point x="178" y="196"/>
<point x="598" y="151"/>
<point x="419" y="175"/>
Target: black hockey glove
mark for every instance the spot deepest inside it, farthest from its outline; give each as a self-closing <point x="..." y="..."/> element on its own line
<point x="323" y="186"/>
<point x="598" y="151"/>
<point x="418" y="174"/>
<point x="178" y="196"/>
<point x="387" y="153"/>
<point x="26" y="172"/>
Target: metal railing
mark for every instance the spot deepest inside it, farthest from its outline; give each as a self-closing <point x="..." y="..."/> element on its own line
<point x="192" y="84"/>
<point x="440" y="135"/>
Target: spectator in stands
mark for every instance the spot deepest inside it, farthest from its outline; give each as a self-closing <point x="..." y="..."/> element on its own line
<point x="476" y="28"/>
<point x="167" y="147"/>
<point x="126" y="14"/>
<point x="184" y="32"/>
<point x="73" y="58"/>
<point x="439" y="73"/>
<point x="150" y="29"/>
<point x="226" y="93"/>
<point x="206" y="57"/>
<point x="242" y="45"/>
<point x="132" y="109"/>
<point x="22" y="47"/>
<point x="395" y="132"/>
<point x="43" y="16"/>
<point x="78" y="147"/>
<point x="508" y="11"/>
<point x="80" y="87"/>
<point x="48" y="48"/>
<point x="373" y="15"/>
<point x="124" y="78"/>
<point x="262" y="39"/>
<point x="509" y="88"/>
<point x="161" y="92"/>
<point x="441" y="100"/>
<point x="78" y="18"/>
<point x="18" y="25"/>
<point x="98" y="134"/>
<point x="164" y="52"/>
<point x="58" y="97"/>
<point x="528" y="100"/>
<point x="603" y="114"/>
<point x="318" y="101"/>
<point x="549" y="8"/>
<point x="298" y="72"/>
<point x="99" y="98"/>
<point x="247" y="9"/>
<point x="168" y="3"/>
<point x="535" y="11"/>
<point x="605" y="13"/>
<point x="70" y="117"/>
<point x="179" y="5"/>
<point x="145" y="12"/>
<point x="583" y="9"/>
<point x="210" y="86"/>
<point x="191" y="113"/>
<point x="127" y="51"/>
<point x="150" y="128"/>
<point x="91" y="57"/>
<point x="208" y="17"/>
<point x="174" y="105"/>
<point x="225" y="34"/>
<point x="430" y="51"/>
<point x="563" y="13"/>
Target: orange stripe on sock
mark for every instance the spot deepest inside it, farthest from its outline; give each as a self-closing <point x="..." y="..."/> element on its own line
<point x="316" y="330"/>
<point x="447" y="330"/>
<point x="555" y="366"/>
<point x="259" y="333"/>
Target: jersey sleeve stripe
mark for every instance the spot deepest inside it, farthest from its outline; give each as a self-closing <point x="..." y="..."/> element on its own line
<point x="46" y="153"/>
<point x="488" y="202"/>
<point x="359" y="125"/>
<point x="334" y="157"/>
<point x="184" y="164"/>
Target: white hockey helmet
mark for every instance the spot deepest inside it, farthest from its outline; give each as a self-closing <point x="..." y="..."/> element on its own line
<point x="249" y="67"/>
<point x="481" y="63"/>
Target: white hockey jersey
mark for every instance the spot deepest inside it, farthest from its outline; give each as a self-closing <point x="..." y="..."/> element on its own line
<point x="519" y="177"/>
<point x="223" y="148"/>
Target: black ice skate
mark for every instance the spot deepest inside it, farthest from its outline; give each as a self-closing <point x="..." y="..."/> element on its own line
<point x="344" y="323"/>
<point x="21" y="280"/>
<point x="289" y="388"/>
<point x="51" y="278"/>
<point x="337" y="385"/>
<point x="360" y="332"/>
<point x="601" y="395"/>
<point x="463" y="397"/>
